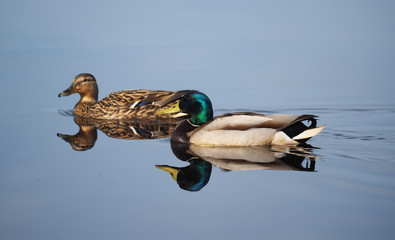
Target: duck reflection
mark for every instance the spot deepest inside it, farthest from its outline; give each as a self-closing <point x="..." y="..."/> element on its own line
<point x="191" y="178"/>
<point x="254" y="158"/>
<point x="122" y="129"/>
<point x="195" y="176"/>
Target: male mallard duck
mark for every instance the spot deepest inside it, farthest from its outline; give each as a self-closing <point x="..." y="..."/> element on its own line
<point x="125" y="104"/>
<point x="237" y="129"/>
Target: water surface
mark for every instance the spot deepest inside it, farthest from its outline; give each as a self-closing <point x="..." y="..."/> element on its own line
<point x="113" y="189"/>
<point x="332" y="59"/>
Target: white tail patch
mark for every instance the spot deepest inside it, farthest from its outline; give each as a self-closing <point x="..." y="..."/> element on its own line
<point x="280" y="138"/>
<point x="308" y="133"/>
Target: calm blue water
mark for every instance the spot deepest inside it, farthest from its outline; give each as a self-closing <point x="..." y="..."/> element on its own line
<point x="332" y="59"/>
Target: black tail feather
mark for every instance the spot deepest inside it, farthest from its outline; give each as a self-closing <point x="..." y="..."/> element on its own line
<point x="298" y="127"/>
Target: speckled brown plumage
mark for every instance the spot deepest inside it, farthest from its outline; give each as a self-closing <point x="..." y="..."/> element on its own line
<point x="127" y="104"/>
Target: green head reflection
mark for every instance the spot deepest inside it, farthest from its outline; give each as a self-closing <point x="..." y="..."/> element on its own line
<point x="191" y="178"/>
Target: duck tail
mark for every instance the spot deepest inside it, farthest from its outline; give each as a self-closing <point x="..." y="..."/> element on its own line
<point x="301" y="132"/>
<point x="307" y="134"/>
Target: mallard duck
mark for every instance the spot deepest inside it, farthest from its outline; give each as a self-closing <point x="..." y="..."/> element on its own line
<point x="127" y="104"/>
<point x="237" y="129"/>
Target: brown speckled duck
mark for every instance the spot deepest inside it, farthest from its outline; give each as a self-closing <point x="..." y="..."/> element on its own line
<point x="127" y="104"/>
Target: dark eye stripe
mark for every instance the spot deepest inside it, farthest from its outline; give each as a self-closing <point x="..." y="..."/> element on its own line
<point x="87" y="80"/>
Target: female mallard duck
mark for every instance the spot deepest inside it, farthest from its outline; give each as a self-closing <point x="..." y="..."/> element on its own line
<point x="125" y="104"/>
<point x="237" y="129"/>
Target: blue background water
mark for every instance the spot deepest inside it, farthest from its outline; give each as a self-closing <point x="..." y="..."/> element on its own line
<point x="335" y="59"/>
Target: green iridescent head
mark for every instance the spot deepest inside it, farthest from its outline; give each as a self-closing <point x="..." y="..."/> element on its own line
<point x="198" y="106"/>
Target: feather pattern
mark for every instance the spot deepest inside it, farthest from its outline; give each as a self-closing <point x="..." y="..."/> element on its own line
<point x="248" y="129"/>
<point x="126" y="104"/>
<point x="240" y="129"/>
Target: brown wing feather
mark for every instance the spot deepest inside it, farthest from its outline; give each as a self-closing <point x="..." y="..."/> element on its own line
<point x="131" y="104"/>
<point x="175" y="96"/>
<point x="127" y="98"/>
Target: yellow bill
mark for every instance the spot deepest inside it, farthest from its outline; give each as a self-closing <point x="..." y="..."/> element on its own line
<point x="173" y="109"/>
<point x="173" y="171"/>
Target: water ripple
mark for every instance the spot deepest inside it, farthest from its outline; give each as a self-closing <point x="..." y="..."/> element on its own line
<point x="67" y="113"/>
<point x="349" y="136"/>
<point x="311" y="109"/>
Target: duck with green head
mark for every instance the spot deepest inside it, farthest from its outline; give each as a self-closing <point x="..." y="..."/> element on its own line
<point x="237" y="129"/>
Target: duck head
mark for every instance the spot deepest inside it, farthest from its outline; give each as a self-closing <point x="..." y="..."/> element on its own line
<point x="197" y="105"/>
<point x="191" y="178"/>
<point x="84" y="84"/>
